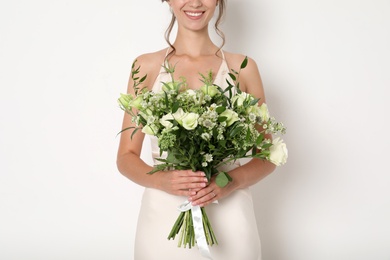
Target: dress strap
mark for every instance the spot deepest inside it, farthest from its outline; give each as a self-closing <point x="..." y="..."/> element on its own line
<point x="223" y="54"/>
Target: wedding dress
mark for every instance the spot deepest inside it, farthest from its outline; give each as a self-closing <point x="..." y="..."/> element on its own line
<point x="232" y="219"/>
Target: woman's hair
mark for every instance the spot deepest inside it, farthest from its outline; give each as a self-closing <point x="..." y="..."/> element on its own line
<point x="221" y="13"/>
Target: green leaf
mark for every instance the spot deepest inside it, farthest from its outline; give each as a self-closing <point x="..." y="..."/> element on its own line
<point x="220" y="109"/>
<point x="232" y="76"/>
<point x="135" y="131"/>
<point x="223" y="179"/>
<point x="254" y="151"/>
<point x="143" y="79"/>
<point x="254" y="102"/>
<point x="244" y="63"/>
<point x="222" y="119"/>
<point x="127" y="128"/>
<point x="259" y="139"/>
<point x="222" y="143"/>
<point x="266" y="146"/>
<point x="236" y="130"/>
<point x="248" y="135"/>
<point x="175" y="107"/>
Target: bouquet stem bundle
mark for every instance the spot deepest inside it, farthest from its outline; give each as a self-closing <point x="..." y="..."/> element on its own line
<point x="184" y="225"/>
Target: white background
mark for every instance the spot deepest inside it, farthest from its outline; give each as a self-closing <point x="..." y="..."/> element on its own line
<point x="326" y="70"/>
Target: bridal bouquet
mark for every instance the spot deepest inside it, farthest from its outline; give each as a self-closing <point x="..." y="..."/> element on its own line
<point x="201" y="130"/>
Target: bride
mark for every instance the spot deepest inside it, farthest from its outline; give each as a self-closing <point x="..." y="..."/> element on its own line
<point x="232" y="218"/>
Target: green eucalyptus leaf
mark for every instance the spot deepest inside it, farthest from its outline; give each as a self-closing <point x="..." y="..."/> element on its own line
<point x="127" y="128"/>
<point x="223" y="179"/>
<point x="235" y="72"/>
<point x="135" y="131"/>
<point x="244" y="63"/>
<point x="143" y="78"/>
<point x="232" y="76"/>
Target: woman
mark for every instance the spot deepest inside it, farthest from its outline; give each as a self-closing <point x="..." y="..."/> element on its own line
<point x="232" y="218"/>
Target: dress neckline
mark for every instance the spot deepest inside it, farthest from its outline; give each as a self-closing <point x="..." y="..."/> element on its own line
<point x="222" y="70"/>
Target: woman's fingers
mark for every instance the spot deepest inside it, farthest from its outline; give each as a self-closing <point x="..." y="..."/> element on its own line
<point x="206" y="196"/>
<point x="184" y="182"/>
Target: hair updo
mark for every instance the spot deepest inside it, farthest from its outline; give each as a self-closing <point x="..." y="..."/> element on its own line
<point x="221" y="13"/>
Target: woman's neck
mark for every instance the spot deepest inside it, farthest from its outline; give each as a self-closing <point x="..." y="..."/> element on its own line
<point x="194" y="44"/>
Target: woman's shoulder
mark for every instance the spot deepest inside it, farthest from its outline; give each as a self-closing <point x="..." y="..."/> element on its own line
<point x="235" y="60"/>
<point x="148" y="61"/>
<point x="250" y="79"/>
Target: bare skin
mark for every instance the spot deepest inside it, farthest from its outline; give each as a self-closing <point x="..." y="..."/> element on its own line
<point x="195" y="53"/>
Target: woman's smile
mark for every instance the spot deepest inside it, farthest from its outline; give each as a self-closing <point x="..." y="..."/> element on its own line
<point x="194" y="15"/>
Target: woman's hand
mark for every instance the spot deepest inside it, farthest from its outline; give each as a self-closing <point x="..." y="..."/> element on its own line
<point x="181" y="182"/>
<point x="210" y="193"/>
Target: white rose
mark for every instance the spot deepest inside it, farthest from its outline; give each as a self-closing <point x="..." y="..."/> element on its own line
<point x="279" y="152"/>
<point x="239" y="99"/>
<point x="136" y="103"/>
<point x="179" y="115"/>
<point x="166" y="121"/>
<point x="171" y="86"/>
<point x="150" y="129"/>
<point x="264" y="113"/>
<point x="209" y="90"/>
<point x="124" y="100"/>
<point x="231" y="116"/>
<point x="253" y="110"/>
<point x="190" y="121"/>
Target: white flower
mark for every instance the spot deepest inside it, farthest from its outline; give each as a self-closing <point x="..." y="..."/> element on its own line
<point x="124" y="100"/>
<point x="205" y="136"/>
<point x="230" y="115"/>
<point x="239" y="99"/>
<point x="191" y="92"/>
<point x="167" y="87"/>
<point x="252" y="117"/>
<point x="209" y="90"/>
<point x="208" y="157"/>
<point x="137" y="102"/>
<point x="264" y="113"/>
<point x="166" y="121"/>
<point x="255" y="109"/>
<point x="179" y="115"/>
<point x="208" y="123"/>
<point x="190" y="121"/>
<point x="279" y="152"/>
<point x="151" y="119"/>
<point x="150" y="129"/>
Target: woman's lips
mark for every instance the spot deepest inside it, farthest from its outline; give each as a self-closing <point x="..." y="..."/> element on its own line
<point x="194" y="15"/>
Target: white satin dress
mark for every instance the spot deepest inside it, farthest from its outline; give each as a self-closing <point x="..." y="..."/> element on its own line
<point x="233" y="219"/>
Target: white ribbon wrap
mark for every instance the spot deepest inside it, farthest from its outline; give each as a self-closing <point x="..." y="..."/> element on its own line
<point x="197" y="220"/>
